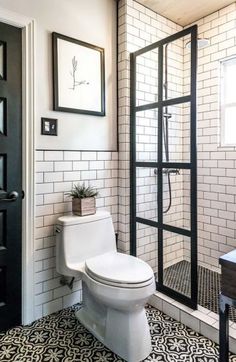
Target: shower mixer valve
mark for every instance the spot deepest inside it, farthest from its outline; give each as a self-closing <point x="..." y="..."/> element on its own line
<point x="169" y="171"/>
<point x="174" y="171"/>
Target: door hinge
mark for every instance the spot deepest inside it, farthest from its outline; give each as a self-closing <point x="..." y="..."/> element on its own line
<point x="22" y="194"/>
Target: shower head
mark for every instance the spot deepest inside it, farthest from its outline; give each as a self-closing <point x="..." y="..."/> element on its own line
<point x="201" y="43"/>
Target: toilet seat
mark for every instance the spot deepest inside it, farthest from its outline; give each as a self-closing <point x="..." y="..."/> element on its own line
<point x="120" y="270"/>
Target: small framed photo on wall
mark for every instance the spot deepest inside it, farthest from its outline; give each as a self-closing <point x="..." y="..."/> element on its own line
<point x="78" y="76"/>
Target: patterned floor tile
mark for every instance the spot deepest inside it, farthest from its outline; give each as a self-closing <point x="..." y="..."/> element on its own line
<point x="61" y="338"/>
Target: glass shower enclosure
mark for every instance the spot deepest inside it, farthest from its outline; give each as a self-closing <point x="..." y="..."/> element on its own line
<point x="163" y="167"/>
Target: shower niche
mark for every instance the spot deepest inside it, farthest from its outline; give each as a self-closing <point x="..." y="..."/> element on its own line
<point x="163" y="162"/>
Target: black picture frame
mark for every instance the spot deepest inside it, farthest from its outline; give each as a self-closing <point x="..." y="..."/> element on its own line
<point x="56" y="102"/>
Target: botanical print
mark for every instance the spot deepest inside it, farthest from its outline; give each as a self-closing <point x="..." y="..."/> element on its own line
<point x="78" y="76"/>
<point x="73" y="73"/>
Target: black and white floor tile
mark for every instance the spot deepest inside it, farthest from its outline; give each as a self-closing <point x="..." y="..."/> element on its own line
<point x="61" y="338"/>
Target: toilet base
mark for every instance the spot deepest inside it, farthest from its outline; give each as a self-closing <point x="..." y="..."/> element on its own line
<point x="125" y="333"/>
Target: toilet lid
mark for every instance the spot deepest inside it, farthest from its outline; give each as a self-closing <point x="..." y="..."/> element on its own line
<point x="119" y="268"/>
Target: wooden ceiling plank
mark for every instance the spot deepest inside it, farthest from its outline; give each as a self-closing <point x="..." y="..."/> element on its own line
<point x="185" y="12"/>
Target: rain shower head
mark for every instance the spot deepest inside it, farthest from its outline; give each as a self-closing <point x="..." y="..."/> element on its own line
<point x="201" y="43"/>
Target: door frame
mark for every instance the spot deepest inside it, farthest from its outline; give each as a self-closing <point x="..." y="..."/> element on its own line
<point x="28" y="156"/>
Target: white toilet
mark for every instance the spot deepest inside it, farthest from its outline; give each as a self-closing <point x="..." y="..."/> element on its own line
<point x="116" y="286"/>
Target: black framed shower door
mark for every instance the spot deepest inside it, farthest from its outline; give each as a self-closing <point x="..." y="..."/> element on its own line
<point x="158" y="166"/>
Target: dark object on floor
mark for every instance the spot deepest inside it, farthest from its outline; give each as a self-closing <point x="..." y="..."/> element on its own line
<point x="225" y="303"/>
<point x="227" y="299"/>
<point x="61" y="338"/>
<point x="178" y="278"/>
<point x="228" y="274"/>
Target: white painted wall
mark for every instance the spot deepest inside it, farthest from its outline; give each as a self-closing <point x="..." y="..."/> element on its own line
<point x="92" y="21"/>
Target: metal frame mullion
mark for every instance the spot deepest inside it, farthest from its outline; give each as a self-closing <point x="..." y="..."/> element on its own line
<point x="177" y="296"/>
<point x="193" y="161"/>
<point x="164" y="103"/>
<point x="133" y="231"/>
<point x="151" y="164"/>
<point x="171" y="228"/>
<point x="159" y="167"/>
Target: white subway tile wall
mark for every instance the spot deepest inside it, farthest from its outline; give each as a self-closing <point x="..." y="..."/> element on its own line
<point x="216" y="165"/>
<point x="138" y="27"/>
<point x="56" y="172"/>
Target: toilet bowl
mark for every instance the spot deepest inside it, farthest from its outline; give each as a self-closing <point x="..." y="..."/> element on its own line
<point x="115" y="286"/>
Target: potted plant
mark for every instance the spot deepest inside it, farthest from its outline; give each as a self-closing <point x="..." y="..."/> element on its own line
<point x="83" y="199"/>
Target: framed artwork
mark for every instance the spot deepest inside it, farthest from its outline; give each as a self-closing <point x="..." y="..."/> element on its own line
<point x="78" y="76"/>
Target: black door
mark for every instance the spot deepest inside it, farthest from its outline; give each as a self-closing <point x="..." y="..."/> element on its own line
<point x="10" y="176"/>
<point x="163" y="174"/>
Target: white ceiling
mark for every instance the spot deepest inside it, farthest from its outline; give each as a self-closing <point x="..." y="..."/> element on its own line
<point x="184" y="12"/>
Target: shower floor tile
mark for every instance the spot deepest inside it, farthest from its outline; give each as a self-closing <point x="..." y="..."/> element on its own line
<point x="177" y="277"/>
<point x="61" y="338"/>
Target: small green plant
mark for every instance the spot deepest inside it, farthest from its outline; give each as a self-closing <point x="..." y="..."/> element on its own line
<point x="82" y="191"/>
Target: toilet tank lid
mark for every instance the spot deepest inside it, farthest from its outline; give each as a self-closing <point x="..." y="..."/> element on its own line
<point x="68" y="220"/>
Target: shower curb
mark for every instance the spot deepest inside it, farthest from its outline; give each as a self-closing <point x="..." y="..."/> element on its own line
<point x="202" y="320"/>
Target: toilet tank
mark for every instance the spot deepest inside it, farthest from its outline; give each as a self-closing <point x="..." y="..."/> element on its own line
<point x="82" y="237"/>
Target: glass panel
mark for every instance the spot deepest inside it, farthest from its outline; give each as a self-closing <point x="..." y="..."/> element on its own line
<point x="2" y="171"/>
<point x="147" y="78"/>
<point x="2" y="115"/>
<point x="2" y="228"/>
<point x="176" y="133"/>
<point x="176" y="198"/>
<point x="2" y="60"/>
<point x="146" y="135"/>
<point x="146" y="193"/>
<point x="176" y="68"/>
<point x="229" y="74"/>
<point x="176" y="262"/>
<point x="230" y="126"/>
<point x="2" y="285"/>
<point x="147" y="244"/>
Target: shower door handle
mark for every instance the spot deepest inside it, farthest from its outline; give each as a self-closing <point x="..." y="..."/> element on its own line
<point x="9" y="197"/>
